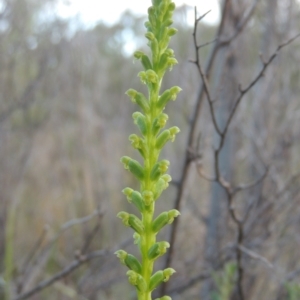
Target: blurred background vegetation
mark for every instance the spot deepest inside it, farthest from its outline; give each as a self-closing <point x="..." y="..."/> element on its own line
<point x="64" y="124"/>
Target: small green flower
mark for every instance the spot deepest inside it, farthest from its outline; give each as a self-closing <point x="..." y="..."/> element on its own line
<point x="153" y="136"/>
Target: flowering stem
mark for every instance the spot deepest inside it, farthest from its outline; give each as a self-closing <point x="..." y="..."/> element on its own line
<point x="152" y="174"/>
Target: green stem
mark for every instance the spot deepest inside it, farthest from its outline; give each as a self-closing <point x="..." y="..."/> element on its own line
<point x="149" y="238"/>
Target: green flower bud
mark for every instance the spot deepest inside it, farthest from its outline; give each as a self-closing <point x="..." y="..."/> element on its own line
<point x="140" y="120"/>
<point x="162" y="139"/>
<point x="172" y="62"/>
<point x="172" y="31"/>
<point x="159" y="277"/>
<point x="158" y="249"/>
<point x="132" y="221"/>
<point x="173" y="213"/>
<point x="171" y="6"/>
<point x="167" y="22"/>
<point x="162" y="7"/>
<point x="148" y="76"/>
<point x="163" y="36"/>
<point x="164" y="298"/>
<point x="136" y="224"/>
<point x="168" y="95"/>
<point x="159" y="123"/>
<point x="174" y="91"/>
<point x="161" y="185"/>
<point x="129" y="260"/>
<point x="146" y="62"/>
<point x="138" y="54"/>
<point x="151" y="76"/>
<point x="148" y="198"/>
<point x="168" y="16"/>
<point x="156" y="279"/>
<point x="136" y="238"/>
<point x="152" y="16"/>
<point x="173" y="131"/>
<point x="150" y="36"/>
<point x="127" y="192"/>
<point x="137" y="280"/>
<point x="144" y="59"/>
<point x="164" y="42"/>
<point x="139" y="99"/>
<point x="159" y="169"/>
<point x="143" y="77"/>
<point x="136" y="141"/>
<point x="121" y="254"/>
<point x="163" y="219"/>
<point x="133" y="264"/>
<point x="124" y="216"/>
<point x="169" y="52"/>
<point x="156" y="2"/>
<point x="165" y="136"/>
<point x="163" y="63"/>
<point x="164" y="99"/>
<point x="147" y="24"/>
<point x="137" y="200"/>
<point x="168" y="273"/>
<point x="133" y="166"/>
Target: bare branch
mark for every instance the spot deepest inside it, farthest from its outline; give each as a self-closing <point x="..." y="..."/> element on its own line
<point x="240" y="27"/>
<point x="250" y="185"/>
<point x="196" y="112"/>
<point x="256" y="256"/>
<point x="82" y="259"/>
<point x="190" y="283"/>
<point x="253" y="83"/>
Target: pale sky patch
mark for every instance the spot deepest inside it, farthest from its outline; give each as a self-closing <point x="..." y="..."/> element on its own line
<point x="109" y="11"/>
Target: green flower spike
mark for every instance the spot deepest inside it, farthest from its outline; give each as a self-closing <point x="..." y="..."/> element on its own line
<point x="153" y="136"/>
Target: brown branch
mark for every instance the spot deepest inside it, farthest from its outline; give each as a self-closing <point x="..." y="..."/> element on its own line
<point x="242" y="187"/>
<point x="222" y="134"/>
<point x="190" y="141"/>
<point x="256" y="256"/>
<point x="190" y="283"/>
<point x="43" y="253"/>
<point x="240" y="27"/>
<point x="82" y="259"/>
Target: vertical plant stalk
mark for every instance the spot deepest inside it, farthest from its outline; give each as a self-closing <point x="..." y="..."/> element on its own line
<point x="152" y="173"/>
